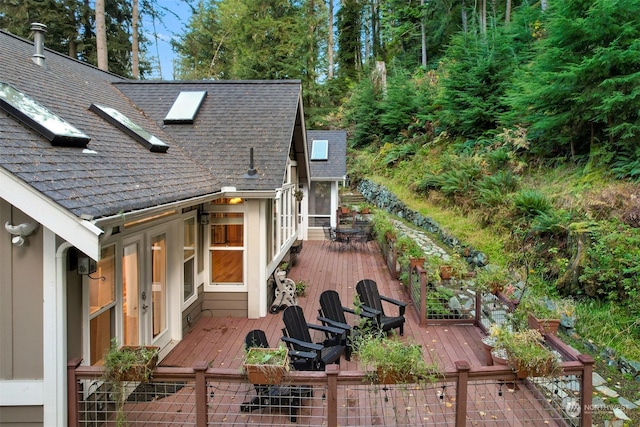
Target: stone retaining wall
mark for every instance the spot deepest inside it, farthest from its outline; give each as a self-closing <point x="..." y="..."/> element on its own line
<point x="381" y="197"/>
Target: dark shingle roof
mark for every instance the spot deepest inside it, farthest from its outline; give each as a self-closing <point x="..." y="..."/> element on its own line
<point x="336" y="166"/>
<point x="234" y="117"/>
<point x="122" y="175"/>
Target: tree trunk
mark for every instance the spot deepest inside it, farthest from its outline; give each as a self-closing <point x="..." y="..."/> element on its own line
<point x="330" y="43"/>
<point x="507" y="12"/>
<point x="463" y="17"/>
<point x="424" y="36"/>
<point x="483" y="18"/>
<point x="135" y="48"/>
<point x="101" y="37"/>
<point x="569" y="283"/>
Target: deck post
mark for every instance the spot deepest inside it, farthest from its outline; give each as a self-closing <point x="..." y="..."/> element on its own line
<point x="73" y="409"/>
<point x="332" y="394"/>
<point x="586" y="390"/>
<point x="461" y="392"/>
<point x="423" y="296"/>
<point x="201" y="393"/>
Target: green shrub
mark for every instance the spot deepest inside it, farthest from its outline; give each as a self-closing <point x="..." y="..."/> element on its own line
<point x="530" y="203"/>
<point x="613" y="265"/>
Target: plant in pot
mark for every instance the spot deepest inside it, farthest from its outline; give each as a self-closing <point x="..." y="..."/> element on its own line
<point x="301" y="288"/>
<point x="388" y="360"/>
<point x="383" y="228"/>
<point x="266" y="365"/>
<point x="545" y="314"/>
<point x="127" y="363"/>
<point x="491" y="278"/>
<point x="410" y="253"/>
<point x="526" y="353"/>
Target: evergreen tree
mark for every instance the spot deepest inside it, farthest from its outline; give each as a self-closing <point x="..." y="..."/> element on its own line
<point x="582" y="86"/>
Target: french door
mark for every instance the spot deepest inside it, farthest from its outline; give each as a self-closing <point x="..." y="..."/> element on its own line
<point x="145" y="295"/>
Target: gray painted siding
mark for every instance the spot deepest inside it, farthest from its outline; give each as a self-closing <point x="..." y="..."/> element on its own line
<point x="21" y="416"/>
<point x="221" y="304"/>
<point x="21" y="339"/>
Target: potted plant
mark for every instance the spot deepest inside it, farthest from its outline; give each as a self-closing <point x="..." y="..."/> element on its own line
<point x="410" y="252"/>
<point x="526" y="353"/>
<point x="127" y="363"/>
<point x="388" y="360"/>
<point x="301" y="288"/>
<point x="491" y="278"/>
<point x="266" y="365"/>
<point x="545" y="314"/>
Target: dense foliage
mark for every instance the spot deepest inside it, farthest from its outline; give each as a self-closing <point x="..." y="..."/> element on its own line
<point x="71" y="28"/>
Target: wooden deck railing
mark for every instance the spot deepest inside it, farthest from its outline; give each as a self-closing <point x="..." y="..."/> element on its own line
<point x="473" y="387"/>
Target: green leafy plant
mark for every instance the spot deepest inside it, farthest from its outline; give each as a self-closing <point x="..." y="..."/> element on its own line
<point x="127" y="363"/>
<point x="301" y="288"/>
<point x="530" y="203"/>
<point x="266" y="365"/>
<point x="388" y="359"/>
<point x="526" y="352"/>
<point x="491" y="278"/>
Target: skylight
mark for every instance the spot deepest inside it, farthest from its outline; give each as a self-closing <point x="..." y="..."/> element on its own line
<point x="129" y="127"/>
<point x="185" y="107"/>
<point x="29" y="112"/>
<point x="320" y="149"/>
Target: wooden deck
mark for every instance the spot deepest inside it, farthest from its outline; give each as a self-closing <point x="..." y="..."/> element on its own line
<point x="489" y="399"/>
<point x="219" y="341"/>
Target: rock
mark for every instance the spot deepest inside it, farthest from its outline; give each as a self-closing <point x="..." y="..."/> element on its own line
<point x="454" y="304"/>
<point x="597" y="379"/>
<point x="597" y="404"/>
<point x="629" y="366"/>
<point x="607" y="391"/>
<point x="591" y="346"/>
<point x="617" y="412"/>
<point x="627" y="403"/>
<point x="614" y="423"/>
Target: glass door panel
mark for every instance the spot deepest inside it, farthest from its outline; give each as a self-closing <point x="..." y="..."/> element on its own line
<point x="159" y="283"/>
<point x="131" y="294"/>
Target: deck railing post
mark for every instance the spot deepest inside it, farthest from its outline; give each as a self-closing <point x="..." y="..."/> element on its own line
<point x="461" y="392"/>
<point x="201" y="393"/>
<point x="423" y="297"/>
<point x="73" y="409"/>
<point x="586" y="390"/>
<point x="478" y="319"/>
<point x="332" y="394"/>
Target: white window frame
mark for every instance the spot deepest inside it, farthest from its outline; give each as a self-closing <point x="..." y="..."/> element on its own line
<point x="194" y="296"/>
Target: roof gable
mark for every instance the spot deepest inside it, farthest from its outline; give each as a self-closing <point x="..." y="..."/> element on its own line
<point x="335" y="167"/>
<point x="115" y="174"/>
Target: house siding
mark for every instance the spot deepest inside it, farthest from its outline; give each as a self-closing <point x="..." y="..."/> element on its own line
<point x="21" y="310"/>
<point x="194" y="311"/>
<point x="221" y="304"/>
<point x="23" y="416"/>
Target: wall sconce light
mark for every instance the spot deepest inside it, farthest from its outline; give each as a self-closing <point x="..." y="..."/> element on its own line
<point x="203" y="218"/>
<point x="20" y="231"/>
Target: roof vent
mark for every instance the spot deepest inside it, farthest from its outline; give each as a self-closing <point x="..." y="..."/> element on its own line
<point x="251" y="172"/>
<point x="38" y="42"/>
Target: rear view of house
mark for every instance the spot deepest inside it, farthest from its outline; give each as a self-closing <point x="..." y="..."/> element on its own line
<point x="129" y="209"/>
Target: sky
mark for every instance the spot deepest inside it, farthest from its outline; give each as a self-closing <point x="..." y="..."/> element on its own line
<point x="176" y="17"/>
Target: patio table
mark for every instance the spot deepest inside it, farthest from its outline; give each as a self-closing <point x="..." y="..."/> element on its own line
<point x="347" y="234"/>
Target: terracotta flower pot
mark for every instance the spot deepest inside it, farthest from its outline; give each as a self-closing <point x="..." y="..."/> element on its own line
<point x="446" y="272"/>
<point x="545" y="326"/>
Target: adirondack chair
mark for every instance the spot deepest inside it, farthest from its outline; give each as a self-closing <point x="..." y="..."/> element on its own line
<point x="275" y="396"/>
<point x="297" y="337"/>
<point x="371" y="299"/>
<point x="332" y="313"/>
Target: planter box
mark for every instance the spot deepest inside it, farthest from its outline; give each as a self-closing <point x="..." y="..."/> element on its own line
<point x="391" y="377"/>
<point x="139" y="371"/>
<point x="265" y="373"/>
<point x="545" y="326"/>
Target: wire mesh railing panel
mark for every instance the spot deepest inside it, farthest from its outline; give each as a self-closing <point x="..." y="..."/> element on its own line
<point x="450" y="300"/>
<point x="397" y="405"/>
<point x="494" y="311"/>
<point x="137" y="404"/>
<point x="507" y="403"/>
<point x="239" y="404"/>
